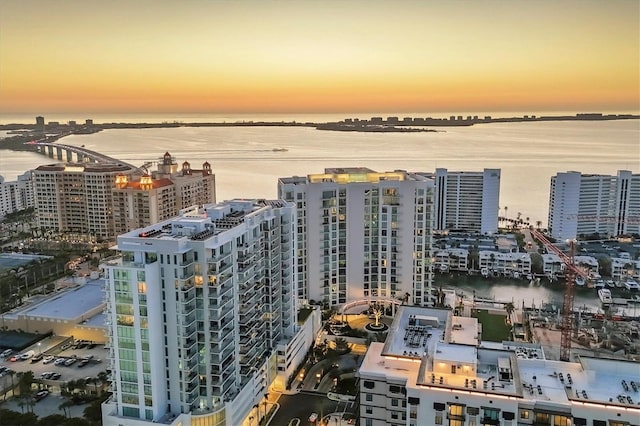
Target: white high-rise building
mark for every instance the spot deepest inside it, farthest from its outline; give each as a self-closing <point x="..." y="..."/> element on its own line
<point x="16" y="195"/>
<point x="467" y="201"/>
<point x="362" y="234"/>
<point x="197" y="306"/>
<point x="586" y="204"/>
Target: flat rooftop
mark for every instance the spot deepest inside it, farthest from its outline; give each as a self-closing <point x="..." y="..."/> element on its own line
<point x="415" y="331"/>
<point x="420" y="347"/>
<point x="98" y="320"/>
<point x="70" y="304"/>
<point x="202" y="223"/>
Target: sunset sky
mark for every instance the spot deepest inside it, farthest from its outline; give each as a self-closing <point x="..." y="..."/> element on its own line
<point x="318" y="56"/>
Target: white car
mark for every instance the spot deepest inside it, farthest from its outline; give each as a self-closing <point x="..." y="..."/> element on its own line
<point x="41" y="394"/>
<point x="48" y="359"/>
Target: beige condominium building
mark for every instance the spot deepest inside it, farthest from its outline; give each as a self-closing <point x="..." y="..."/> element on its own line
<point x="160" y="195"/>
<point x="103" y="200"/>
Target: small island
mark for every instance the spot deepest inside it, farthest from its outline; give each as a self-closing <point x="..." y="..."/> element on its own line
<point x="363" y="127"/>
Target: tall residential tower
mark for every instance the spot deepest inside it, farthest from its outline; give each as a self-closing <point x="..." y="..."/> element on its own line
<point x="586" y="204"/>
<point x="197" y="306"/>
<point x="467" y="201"/>
<point x="362" y="234"/>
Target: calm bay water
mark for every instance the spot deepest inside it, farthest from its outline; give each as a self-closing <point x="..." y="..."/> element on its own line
<point x="246" y="166"/>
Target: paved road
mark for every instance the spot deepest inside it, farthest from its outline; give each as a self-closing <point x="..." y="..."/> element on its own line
<point x="301" y="406"/>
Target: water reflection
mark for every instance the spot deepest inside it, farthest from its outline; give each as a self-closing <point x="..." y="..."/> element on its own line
<point x="518" y="291"/>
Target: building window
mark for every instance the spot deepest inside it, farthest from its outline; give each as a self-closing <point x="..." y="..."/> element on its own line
<point x="368" y="397"/>
<point x="525" y="414"/>
<point x="368" y="410"/>
<point x="563" y="421"/>
<point x="438" y="419"/>
<point x="491" y="416"/>
<point x="543" y="419"/>
<point x="394" y="402"/>
<point x="368" y="384"/>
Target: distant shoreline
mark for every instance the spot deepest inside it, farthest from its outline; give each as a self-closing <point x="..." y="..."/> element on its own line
<point x="374" y="121"/>
<point x="25" y="133"/>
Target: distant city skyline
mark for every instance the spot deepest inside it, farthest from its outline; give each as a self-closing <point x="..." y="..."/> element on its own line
<point x="318" y="57"/>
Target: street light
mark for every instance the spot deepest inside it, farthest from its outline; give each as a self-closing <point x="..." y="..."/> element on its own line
<point x="39" y="349"/>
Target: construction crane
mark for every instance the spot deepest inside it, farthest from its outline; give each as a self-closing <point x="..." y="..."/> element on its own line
<point x="571" y="272"/>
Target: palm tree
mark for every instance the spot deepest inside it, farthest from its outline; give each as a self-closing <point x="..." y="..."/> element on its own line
<point x="66" y="404"/>
<point x="509" y="307"/>
<point x="341" y="344"/>
<point x="405" y="298"/>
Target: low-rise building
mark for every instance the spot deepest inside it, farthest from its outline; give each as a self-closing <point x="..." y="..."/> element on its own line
<point x="624" y="268"/>
<point x="552" y="264"/>
<point x="452" y="259"/>
<point x="509" y="264"/>
<point x="433" y="369"/>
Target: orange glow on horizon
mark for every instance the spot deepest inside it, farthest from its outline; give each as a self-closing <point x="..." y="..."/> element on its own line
<point x="218" y="56"/>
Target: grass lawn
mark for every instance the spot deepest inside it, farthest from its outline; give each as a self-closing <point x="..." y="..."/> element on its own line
<point x="494" y="328"/>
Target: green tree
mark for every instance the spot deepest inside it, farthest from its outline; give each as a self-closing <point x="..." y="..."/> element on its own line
<point x="509" y="307"/>
<point x="64" y="406"/>
<point x="53" y="419"/>
<point x="13" y="418"/>
<point x="341" y="345"/>
<point x="25" y="380"/>
<point x="93" y="411"/>
<point x="604" y="266"/>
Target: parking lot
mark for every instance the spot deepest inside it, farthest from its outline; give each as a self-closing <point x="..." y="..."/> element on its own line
<point x="73" y="371"/>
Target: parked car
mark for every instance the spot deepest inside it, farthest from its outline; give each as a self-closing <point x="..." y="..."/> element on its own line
<point x="37" y="358"/>
<point x="55" y="376"/>
<point x="6" y="353"/>
<point x="82" y="363"/>
<point x="41" y="394"/>
<point x="70" y="361"/>
<point x="48" y="359"/>
<point x="25" y="356"/>
<point x="60" y="361"/>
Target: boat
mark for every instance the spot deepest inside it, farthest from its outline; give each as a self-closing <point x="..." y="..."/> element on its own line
<point x="632" y="285"/>
<point x="605" y="296"/>
<point x="279" y="150"/>
<point x="485" y="272"/>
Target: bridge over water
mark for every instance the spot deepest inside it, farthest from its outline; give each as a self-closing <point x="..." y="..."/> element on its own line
<point x="67" y="153"/>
